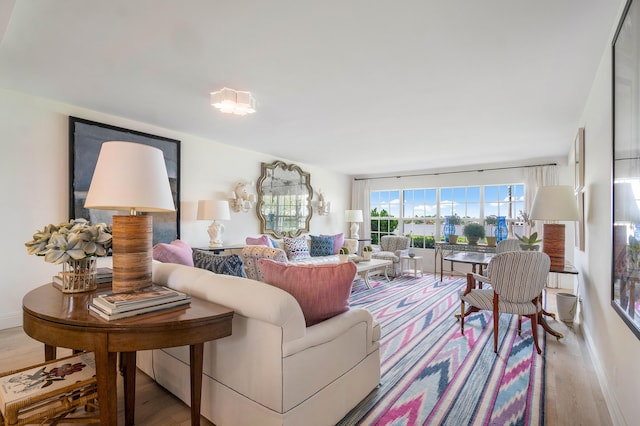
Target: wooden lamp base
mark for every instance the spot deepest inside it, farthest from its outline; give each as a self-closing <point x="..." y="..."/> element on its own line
<point x="553" y="244"/>
<point x="132" y="252"/>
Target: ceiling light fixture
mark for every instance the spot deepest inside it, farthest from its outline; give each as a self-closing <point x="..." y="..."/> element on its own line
<point x="233" y="101"/>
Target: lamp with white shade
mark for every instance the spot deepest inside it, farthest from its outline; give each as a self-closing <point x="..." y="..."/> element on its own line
<point x="555" y="203"/>
<point x="214" y="211"/>
<point x="354" y="217"/>
<point x="130" y="177"/>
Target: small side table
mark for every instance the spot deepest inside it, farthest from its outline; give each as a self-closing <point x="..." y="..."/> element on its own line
<point x="406" y="261"/>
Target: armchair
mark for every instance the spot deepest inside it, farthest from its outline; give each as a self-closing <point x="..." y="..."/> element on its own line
<point x="392" y="247"/>
<point x="517" y="280"/>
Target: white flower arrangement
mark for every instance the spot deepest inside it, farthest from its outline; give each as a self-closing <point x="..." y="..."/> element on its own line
<point x="73" y="240"/>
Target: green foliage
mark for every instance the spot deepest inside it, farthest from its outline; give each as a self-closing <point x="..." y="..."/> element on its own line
<point x="367" y="248"/>
<point x="380" y="227"/>
<point x="530" y="240"/>
<point x="473" y="230"/>
<point x="491" y="220"/>
<point x="455" y="219"/>
<point x="344" y="250"/>
<point x="421" y="241"/>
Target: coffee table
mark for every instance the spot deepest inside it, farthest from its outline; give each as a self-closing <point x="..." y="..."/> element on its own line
<point x="364" y="267"/>
<point x="62" y="319"/>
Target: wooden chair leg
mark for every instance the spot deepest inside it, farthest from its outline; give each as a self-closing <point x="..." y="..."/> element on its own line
<point x="496" y="319"/>
<point x="519" y="325"/>
<point x="534" y="329"/>
<point x="462" y="317"/>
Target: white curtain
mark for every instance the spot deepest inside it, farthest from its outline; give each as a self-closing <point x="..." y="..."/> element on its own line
<point x="360" y="201"/>
<point x="536" y="178"/>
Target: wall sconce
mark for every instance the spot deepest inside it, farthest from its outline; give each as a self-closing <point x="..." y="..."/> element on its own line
<point x="241" y="200"/>
<point x="324" y="207"/>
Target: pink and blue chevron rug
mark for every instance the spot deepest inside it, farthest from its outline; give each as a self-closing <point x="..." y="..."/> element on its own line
<point x="432" y="375"/>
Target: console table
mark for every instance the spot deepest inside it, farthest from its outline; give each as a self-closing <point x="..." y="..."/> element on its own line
<point x="62" y="319"/>
<point x="441" y="247"/>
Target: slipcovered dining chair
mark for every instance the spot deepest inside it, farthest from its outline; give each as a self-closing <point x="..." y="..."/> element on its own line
<point x="392" y="247"/>
<point x="517" y="280"/>
<point x="510" y="244"/>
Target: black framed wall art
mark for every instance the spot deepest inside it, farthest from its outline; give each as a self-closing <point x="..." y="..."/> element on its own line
<point x="85" y="140"/>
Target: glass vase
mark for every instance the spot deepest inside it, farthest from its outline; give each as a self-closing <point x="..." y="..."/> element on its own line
<point x="79" y="275"/>
<point x="449" y="228"/>
<point x="501" y="229"/>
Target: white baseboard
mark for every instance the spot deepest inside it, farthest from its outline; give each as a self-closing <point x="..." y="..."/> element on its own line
<point x="10" y="320"/>
<point x="612" y="404"/>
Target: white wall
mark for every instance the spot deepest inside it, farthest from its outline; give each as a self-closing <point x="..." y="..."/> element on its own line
<point x="34" y="171"/>
<point x="615" y="348"/>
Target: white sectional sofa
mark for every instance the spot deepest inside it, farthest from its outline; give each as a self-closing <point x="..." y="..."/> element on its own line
<point x="272" y="370"/>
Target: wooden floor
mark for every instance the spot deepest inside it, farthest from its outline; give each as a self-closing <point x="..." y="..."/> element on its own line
<point x="573" y="395"/>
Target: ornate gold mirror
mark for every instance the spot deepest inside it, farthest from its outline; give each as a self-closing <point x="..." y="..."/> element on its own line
<point x="284" y="200"/>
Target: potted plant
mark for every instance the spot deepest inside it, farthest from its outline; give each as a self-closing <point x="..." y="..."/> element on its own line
<point x="343" y="254"/>
<point x="75" y="245"/>
<point x="366" y="252"/>
<point x="529" y="243"/>
<point x="450" y="228"/>
<point x="491" y="222"/>
<point x="473" y="232"/>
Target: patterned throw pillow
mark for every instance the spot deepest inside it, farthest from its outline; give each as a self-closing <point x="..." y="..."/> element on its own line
<point x="176" y="252"/>
<point x="296" y="248"/>
<point x="219" y="264"/>
<point x="321" y="246"/>
<point x="260" y="241"/>
<point x="322" y="291"/>
<point x="338" y="242"/>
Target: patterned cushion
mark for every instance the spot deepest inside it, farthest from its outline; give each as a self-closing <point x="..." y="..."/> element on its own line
<point x="322" y="291"/>
<point x="176" y="252"/>
<point x="260" y="241"/>
<point x="321" y="246"/>
<point x="252" y="254"/>
<point x="219" y="264"/>
<point x="296" y="248"/>
<point x="338" y="242"/>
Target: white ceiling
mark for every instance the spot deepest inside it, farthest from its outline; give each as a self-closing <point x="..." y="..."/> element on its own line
<point x="360" y="87"/>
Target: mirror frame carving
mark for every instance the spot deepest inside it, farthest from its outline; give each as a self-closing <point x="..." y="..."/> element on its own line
<point x="307" y="183"/>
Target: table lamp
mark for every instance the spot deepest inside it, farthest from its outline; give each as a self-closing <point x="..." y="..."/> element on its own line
<point x="130" y="177"/>
<point x="355" y="217"/>
<point x="214" y="210"/>
<point x="555" y="203"/>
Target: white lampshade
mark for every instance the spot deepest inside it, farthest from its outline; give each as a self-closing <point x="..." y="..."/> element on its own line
<point x="555" y="203"/>
<point x="213" y="210"/>
<point x="130" y="176"/>
<point x="353" y="216"/>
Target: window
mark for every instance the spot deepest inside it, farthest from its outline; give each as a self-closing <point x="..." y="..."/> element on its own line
<point x="420" y="213"/>
<point x="385" y="211"/>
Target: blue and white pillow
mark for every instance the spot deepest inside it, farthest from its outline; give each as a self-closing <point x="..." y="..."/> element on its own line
<point x="296" y="248"/>
<point x="321" y="246"/>
<point x="219" y="264"/>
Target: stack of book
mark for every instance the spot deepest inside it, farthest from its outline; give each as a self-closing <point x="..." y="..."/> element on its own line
<point x="103" y="277"/>
<point x="111" y="306"/>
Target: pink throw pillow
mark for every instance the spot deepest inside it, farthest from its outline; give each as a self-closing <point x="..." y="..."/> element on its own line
<point x="322" y="291"/>
<point x="338" y="241"/>
<point x="176" y="252"/>
<point x="260" y="241"/>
